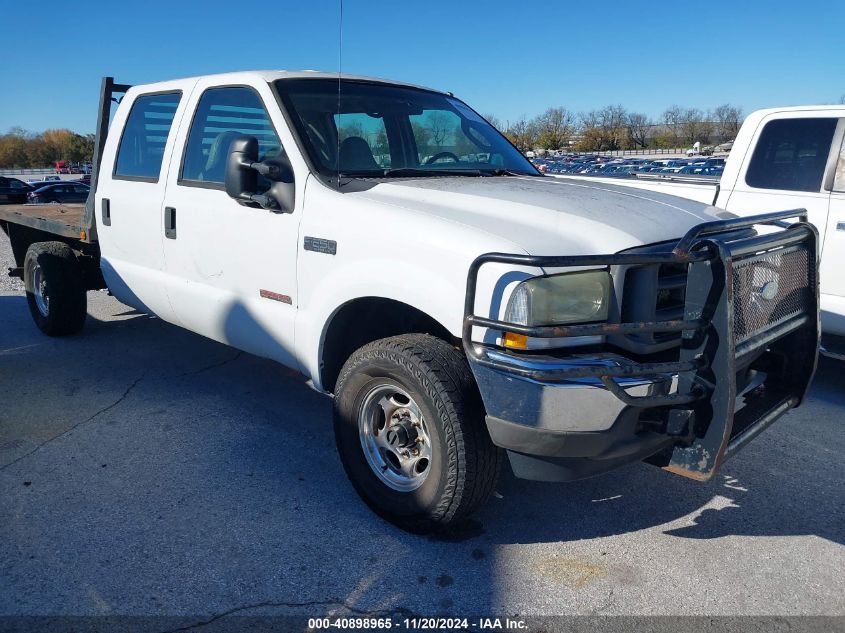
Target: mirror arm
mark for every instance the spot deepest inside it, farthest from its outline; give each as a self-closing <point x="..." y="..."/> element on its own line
<point x="271" y="171"/>
<point x="263" y="201"/>
<point x="266" y="202"/>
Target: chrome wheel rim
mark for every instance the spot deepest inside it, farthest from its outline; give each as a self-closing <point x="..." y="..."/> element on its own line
<point x="39" y="290"/>
<point x="394" y="437"/>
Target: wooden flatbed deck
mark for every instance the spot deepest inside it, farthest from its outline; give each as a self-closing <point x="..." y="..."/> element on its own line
<point x="59" y="219"/>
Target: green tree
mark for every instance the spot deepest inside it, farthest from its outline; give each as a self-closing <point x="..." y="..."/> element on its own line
<point x="13" y="151"/>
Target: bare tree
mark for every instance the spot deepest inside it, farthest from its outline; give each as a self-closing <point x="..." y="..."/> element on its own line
<point x="554" y="127"/>
<point x="672" y="118"/>
<point x="493" y="120"/>
<point x="590" y="132"/>
<point x="353" y="128"/>
<point x="438" y="124"/>
<point x="614" y="122"/>
<point x="727" y="120"/>
<point x="522" y="134"/>
<point x="639" y="126"/>
<point x="694" y="126"/>
<point x="605" y="129"/>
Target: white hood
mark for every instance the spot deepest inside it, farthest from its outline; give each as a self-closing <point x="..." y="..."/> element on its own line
<point x="549" y="216"/>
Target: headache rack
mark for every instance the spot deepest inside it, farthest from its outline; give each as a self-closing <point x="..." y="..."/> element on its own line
<point x="750" y="303"/>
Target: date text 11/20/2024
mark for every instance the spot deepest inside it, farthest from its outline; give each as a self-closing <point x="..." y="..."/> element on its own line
<point x="417" y="623"/>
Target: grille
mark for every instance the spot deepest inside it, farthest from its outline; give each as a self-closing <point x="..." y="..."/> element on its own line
<point x="671" y="295"/>
<point x="769" y="289"/>
<point x="654" y="293"/>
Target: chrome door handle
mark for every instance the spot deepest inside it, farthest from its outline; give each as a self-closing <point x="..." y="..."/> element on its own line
<point x="840" y="226"/>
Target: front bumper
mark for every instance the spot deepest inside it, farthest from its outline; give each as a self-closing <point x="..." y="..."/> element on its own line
<point x="571" y="429"/>
<point x="748" y="352"/>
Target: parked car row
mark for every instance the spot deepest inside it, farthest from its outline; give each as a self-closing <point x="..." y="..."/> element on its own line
<point x="67" y="191"/>
<point x="49" y="190"/>
<point x="629" y="167"/>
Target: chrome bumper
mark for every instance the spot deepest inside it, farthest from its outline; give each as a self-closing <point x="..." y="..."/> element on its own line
<point x="567" y="430"/>
<point x="578" y="405"/>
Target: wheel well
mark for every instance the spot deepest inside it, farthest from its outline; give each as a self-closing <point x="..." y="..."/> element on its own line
<point x="366" y="320"/>
<point x="22" y="237"/>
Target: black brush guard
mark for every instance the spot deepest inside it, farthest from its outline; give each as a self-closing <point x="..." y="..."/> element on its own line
<point x="721" y="333"/>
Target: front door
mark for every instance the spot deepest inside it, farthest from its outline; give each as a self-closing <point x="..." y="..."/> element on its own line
<point x="231" y="268"/>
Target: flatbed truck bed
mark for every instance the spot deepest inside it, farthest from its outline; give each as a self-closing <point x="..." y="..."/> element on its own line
<point x="27" y="224"/>
<point x="63" y="220"/>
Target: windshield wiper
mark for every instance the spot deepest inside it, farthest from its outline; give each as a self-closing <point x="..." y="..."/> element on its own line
<point x="500" y="171"/>
<point x="417" y="171"/>
<point x="399" y="172"/>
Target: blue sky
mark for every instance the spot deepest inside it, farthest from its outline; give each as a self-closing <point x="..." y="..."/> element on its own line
<point x="505" y="58"/>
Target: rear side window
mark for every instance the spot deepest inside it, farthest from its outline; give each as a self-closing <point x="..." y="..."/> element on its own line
<point x="141" y="148"/>
<point x="791" y="154"/>
<point x="222" y="115"/>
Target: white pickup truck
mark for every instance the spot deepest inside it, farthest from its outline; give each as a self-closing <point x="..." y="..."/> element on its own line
<point x="783" y="158"/>
<point x="392" y="246"/>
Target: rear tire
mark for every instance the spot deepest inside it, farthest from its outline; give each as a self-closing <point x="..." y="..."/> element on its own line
<point x="450" y="464"/>
<point x="55" y="288"/>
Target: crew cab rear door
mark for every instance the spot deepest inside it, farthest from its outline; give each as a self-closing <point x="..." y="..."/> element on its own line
<point x="130" y="191"/>
<point x="231" y="267"/>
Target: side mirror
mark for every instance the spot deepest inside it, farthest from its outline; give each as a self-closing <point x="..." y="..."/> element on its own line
<point x="242" y="169"/>
<point x="241" y="180"/>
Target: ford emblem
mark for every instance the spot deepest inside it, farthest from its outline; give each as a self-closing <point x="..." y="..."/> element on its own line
<point x="769" y="290"/>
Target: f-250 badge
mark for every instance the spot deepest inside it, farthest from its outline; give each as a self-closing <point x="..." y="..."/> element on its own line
<point x="320" y="245"/>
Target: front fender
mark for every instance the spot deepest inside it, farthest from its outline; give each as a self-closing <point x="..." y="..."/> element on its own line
<point x="438" y="296"/>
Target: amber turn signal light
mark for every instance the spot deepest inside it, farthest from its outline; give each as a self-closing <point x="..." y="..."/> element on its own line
<point x="515" y="341"/>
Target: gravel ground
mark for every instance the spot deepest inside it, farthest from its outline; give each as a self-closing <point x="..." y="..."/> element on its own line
<point x="145" y="470"/>
<point x="7" y="284"/>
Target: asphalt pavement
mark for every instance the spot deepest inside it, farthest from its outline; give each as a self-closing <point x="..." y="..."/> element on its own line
<point x="145" y="470"/>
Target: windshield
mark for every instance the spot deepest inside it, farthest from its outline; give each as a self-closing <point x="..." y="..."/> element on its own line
<point x="381" y="130"/>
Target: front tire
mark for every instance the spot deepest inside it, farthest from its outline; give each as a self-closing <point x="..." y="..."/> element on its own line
<point x="55" y="288"/>
<point x="409" y="426"/>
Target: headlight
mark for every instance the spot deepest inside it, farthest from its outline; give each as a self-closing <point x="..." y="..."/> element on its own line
<point x="579" y="297"/>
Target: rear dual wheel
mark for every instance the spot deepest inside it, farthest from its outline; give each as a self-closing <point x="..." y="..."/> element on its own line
<point x="410" y="430"/>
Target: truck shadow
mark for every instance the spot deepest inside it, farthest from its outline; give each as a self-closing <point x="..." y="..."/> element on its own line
<point x="194" y="462"/>
<point x="790" y="472"/>
<point x="787" y="482"/>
